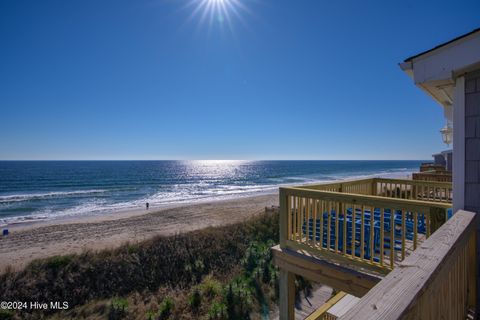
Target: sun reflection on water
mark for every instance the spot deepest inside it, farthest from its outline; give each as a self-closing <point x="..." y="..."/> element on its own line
<point x="216" y="169"/>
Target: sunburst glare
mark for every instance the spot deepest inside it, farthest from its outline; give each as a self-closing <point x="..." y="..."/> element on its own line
<point x="218" y="12"/>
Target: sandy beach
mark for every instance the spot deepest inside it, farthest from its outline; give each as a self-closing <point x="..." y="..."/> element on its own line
<point x="39" y="240"/>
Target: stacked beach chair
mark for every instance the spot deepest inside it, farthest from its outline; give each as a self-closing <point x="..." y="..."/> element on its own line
<point x="391" y="220"/>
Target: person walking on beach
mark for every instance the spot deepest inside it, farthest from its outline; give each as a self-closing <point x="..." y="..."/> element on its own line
<point x="147" y="205"/>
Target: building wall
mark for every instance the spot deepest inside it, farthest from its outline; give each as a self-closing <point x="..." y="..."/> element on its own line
<point x="472" y="141"/>
<point x="472" y="156"/>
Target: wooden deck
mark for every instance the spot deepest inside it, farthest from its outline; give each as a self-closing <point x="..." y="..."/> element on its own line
<point x="351" y="235"/>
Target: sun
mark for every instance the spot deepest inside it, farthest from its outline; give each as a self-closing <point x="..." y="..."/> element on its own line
<point x="218" y="12"/>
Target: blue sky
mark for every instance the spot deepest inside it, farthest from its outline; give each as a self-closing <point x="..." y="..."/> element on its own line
<point x="282" y="80"/>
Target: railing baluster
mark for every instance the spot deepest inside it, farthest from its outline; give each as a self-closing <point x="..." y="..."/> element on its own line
<point x="354" y="229"/>
<point x="344" y="213"/>
<point x="362" y="235"/>
<point x="302" y="217"/>
<point x="329" y="225"/>
<point x="337" y="215"/>
<point x="382" y="234"/>
<point x="307" y="220"/>
<point x="289" y="217"/>
<point x="392" y="236"/>
<point x="415" y="229"/>
<point x="299" y="220"/>
<point x="427" y="222"/>
<point x="294" y="217"/>
<point x="372" y="227"/>
<point x="321" y="223"/>
<point x="314" y="222"/>
<point x="404" y="231"/>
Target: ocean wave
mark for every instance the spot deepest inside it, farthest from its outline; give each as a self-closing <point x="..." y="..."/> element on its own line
<point x="168" y="195"/>
<point x="53" y="194"/>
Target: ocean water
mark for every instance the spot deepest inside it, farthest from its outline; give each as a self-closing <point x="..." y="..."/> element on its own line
<point x="31" y="190"/>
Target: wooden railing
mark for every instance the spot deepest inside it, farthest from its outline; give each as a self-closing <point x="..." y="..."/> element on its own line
<point x="433" y="176"/>
<point x="432" y="167"/>
<point x="392" y="188"/>
<point x="346" y="219"/>
<point x="437" y="281"/>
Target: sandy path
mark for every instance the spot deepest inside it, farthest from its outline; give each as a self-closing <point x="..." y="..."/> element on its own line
<point x="38" y="241"/>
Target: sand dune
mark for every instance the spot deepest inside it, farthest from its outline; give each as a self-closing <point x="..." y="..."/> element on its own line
<point x="40" y="240"/>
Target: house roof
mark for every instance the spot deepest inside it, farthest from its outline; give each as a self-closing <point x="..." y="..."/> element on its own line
<point x="442" y="45"/>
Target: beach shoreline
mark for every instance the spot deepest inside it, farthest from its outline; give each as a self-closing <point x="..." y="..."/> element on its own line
<point x="30" y="241"/>
<point x="36" y="239"/>
<point x="98" y="216"/>
<point x="122" y="213"/>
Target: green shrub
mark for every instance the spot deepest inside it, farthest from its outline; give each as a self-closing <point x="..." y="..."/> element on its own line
<point x="6" y="314"/>
<point x="195" y="299"/>
<point x="118" y="308"/>
<point x="57" y="262"/>
<point x="166" y="308"/>
<point x="239" y="297"/>
<point x="218" y="311"/>
<point x="210" y="286"/>
<point x="131" y="248"/>
<point x="150" y="315"/>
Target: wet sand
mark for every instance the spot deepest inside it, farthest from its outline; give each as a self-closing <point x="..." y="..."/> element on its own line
<point x="27" y="242"/>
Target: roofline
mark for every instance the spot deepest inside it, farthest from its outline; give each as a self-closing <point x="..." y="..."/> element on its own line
<point x="442" y="45"/>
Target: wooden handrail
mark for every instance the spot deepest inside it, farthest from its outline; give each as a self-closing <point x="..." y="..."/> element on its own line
<point x="392" y="180"/>
<point x="433" y="176"/>
<point x="365" y="199"/>
<point x="415" y="182"/>
<point x="437" y="281"/>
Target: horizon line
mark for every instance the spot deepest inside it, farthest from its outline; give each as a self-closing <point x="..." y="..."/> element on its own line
<point x="214" y="160"/>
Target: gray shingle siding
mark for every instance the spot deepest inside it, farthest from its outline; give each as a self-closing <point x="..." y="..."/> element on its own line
<point x="472" y="142"/>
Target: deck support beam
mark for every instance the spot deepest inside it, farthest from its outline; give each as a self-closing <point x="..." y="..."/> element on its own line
<point x="353" y="281"/>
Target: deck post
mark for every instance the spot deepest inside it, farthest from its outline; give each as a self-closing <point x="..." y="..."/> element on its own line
<point x="284" y="216"/>
<point x="374" y="187"/>
<point x="287" y="295"/>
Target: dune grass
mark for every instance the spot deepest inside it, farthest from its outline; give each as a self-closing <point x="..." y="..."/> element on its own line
<point x="216" y="273"/>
